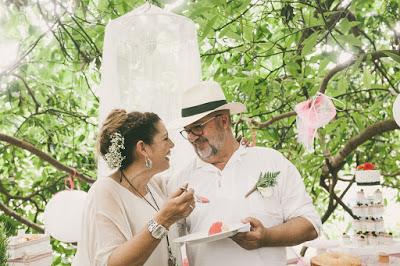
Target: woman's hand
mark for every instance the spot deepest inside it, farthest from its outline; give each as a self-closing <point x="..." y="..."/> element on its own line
<point x="137" y="250"/>
<point x="179" y="205"/>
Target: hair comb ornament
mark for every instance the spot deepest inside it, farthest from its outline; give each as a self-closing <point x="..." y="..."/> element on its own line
<point x="114" y="156"/>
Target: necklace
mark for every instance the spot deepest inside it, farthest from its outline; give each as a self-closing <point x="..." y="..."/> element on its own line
<point x="156" y="208"/>
<point x="171" y="258"/>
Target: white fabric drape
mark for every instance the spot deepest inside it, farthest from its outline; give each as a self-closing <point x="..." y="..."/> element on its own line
<point x="150" y="57"/>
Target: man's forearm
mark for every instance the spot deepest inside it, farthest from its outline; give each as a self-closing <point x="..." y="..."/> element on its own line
<point x="293" y="232"/>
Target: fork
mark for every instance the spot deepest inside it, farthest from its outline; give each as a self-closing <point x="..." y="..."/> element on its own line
<point x="200" y="199"/>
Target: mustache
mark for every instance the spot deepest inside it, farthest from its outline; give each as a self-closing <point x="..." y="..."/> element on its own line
<point x="200" y="140"/>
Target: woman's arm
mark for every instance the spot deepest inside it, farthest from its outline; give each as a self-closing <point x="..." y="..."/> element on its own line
<point x="137" y="250"/>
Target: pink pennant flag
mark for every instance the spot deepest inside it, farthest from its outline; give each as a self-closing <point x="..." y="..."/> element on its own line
<point x="311" y="115"/>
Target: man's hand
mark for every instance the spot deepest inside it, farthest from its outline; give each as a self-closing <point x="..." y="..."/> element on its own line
<point x="253" y="239"/>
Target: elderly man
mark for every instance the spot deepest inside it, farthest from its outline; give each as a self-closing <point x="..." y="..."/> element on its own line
<point x="280" y="212"/>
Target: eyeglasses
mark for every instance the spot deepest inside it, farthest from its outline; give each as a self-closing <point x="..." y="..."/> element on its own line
<point x="196" y="130"/>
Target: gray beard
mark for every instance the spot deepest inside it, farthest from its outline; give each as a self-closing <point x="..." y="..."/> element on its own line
<point x="211" y="150"/>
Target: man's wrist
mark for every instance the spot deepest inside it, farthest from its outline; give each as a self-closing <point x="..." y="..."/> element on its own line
<point x="265" y="237"/>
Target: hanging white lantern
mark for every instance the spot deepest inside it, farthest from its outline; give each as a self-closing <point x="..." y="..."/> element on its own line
<point x="396" y="110"/>
<point x="63" y="215"/>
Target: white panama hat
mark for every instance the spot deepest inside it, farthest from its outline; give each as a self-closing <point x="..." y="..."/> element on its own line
<point x="202" y="99"/>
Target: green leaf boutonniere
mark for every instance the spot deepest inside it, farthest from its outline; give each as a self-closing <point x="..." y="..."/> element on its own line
<point x="264" y="184"/>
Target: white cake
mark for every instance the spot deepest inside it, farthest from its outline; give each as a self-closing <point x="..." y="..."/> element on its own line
<point x="368" y="226"/>
<point x="368" y="177"/>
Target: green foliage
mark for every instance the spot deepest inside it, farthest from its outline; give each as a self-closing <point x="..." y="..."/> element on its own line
<point x="267" y="179"/>
<point x="3" y="245"/>
<point x="270" y="55"/>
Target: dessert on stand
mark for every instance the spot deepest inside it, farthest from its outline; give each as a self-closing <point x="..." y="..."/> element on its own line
<point x="369" y="238"/>
<point x="29" y="249"/>
<point x="368" y="226"/>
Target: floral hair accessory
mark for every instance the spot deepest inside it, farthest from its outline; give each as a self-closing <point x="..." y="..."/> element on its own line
<point x="366" y="166"/>
<point x="114" y="156"/>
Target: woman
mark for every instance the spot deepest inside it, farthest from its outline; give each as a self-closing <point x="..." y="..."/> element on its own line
<point x="127" y="217"/>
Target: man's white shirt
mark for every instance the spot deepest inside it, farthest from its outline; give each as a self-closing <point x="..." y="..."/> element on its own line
<point x="226" y="191"/>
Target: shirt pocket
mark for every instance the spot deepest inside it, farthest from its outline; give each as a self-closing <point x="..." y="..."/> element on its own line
<point x="267" y="209"/>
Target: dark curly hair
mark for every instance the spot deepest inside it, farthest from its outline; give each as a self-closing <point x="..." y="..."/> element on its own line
<point x="132" y="126"/>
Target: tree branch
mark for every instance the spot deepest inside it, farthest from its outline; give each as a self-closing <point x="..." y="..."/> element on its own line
<point x="75" y="43"/>
<point x="329" y="211"/>
<point x="272" y="120"/>
<point x="352" y="144"/>
<point x="30" y="92"/>
<point x="53" y="111"/>
<point x="223" y="51"/>
<point x="323" y="86"/>
<point x="236" y="18"/>
<point x="28" y="51"/>
<point x="19" y="218"/>
<point x="4" y="191"/>
<point x="44" y="156"/>
<point x="89" y="87"/>
<point x="391" y="174"/>
<point x="340" y="67"/>
<point x="98" y="53"/>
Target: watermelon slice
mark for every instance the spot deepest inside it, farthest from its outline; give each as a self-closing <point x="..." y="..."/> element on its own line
<point x="215" y="228"/>
<point x="203" y="199"/>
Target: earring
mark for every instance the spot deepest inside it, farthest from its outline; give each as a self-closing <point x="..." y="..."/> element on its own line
<point x="147" y="162"/>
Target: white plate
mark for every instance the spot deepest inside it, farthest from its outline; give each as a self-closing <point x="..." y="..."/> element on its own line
<point x="203" y="237"/>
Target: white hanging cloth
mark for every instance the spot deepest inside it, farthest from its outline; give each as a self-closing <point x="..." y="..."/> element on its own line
<point x="150" y="56"/>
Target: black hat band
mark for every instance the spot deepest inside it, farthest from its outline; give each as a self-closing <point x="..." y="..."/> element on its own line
<point x="198" y="109"/>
